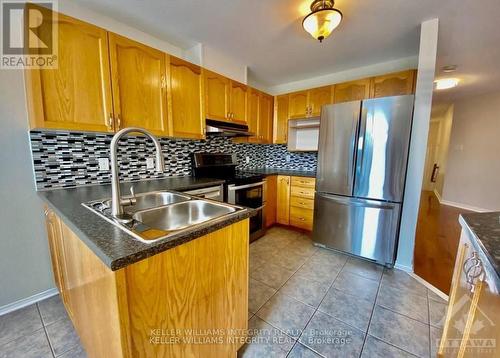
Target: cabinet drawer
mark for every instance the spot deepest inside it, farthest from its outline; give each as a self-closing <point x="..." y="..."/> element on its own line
<point x="304" y="182"/>
<point x="301" y="192"/>
<point x="301" y="218"/>
<point x="302" y="203"/>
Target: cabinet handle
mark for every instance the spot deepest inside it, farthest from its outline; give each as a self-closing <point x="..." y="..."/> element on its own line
<point x="118" y="120"/>
<point x="473" y="270"/>
<point x="109" y="122"/>
<point x="302" y="219"/>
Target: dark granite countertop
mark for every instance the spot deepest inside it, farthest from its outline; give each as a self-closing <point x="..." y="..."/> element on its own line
<point x="276" y="171"/>
<point x="485" y="228"/>
<point x="113" y="246"/>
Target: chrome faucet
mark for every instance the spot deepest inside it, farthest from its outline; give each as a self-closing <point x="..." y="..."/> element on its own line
<point x="117" y="202"/>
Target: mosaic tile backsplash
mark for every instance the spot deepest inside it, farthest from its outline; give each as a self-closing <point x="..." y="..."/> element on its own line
<point x="69" y="159"/>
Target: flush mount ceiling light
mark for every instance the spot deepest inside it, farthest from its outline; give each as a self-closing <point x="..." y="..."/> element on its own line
<point x="322" y="20"/>
<point x="445" y="83"/>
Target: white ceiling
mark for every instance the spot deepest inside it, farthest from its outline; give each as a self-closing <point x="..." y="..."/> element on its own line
<point x="267" y="35"/>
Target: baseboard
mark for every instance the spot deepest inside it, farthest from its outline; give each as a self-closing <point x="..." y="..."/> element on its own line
<point x="437" y="291"/>
<point x="403" y="268"/>
<point x="464" y="206"/>
<point x="438" y="196"/>
<point x="28" y="301"/>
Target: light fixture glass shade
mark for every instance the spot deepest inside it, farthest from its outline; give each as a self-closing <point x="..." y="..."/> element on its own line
<point x="445" y="83"/>
<point x="321" y="23"/>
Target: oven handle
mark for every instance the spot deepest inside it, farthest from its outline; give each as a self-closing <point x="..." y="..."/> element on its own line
<point x="233" y="187"/>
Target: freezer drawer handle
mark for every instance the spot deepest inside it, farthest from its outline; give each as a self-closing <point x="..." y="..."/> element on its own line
<point x="366" y="203"/>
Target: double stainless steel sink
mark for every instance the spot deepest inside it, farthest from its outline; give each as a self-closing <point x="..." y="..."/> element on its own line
<point x="160" y="214"/>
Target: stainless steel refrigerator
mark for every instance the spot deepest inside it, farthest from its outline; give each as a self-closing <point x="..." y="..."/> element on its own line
<point x="362" y="160"/>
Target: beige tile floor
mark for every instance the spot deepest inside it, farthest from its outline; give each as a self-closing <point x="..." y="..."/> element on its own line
<point x="311" y="302"/>
<point x="304" y="302"/>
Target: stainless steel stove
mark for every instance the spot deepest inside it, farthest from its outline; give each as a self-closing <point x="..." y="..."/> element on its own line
<point x="240" y="188"/>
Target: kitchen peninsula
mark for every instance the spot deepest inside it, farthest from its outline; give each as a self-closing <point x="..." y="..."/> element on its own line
<point x="185" y="295"/>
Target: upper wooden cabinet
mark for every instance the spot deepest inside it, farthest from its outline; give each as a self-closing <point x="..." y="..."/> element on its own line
<point x="253" y="114"/>
<point x="238" y="102"/>
<point x="308" y="103"/>
<point x="139" y="85"/>
<point x="318" y="97"/>
<point x="298" y="104"/>
<point x="352" y="91"/>
<point x="185" y="97"/>
<point x="266" y="118"/>
<point x="76" y="95"/>
<point x="393" y="84"/>
<point x="280" y="119"/>
<point x="217" y="90"/>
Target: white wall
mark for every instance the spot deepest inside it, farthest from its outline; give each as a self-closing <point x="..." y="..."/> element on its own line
<point x="473" y="167"/>
<point x="225" y="65"/>
<point x="418" y="145"/>
<point x="24" y="259"/>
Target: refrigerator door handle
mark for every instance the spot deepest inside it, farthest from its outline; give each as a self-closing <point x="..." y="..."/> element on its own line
<point x="361" y="142"/>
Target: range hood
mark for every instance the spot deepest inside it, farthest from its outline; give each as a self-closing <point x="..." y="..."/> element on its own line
<point x="224" y="129"/>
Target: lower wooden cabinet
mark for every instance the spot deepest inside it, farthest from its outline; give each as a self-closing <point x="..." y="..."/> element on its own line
<point x="271" y="200"/>
<point x="471" y="323"/>
<point x="301" y="218"/>
<point x="283" y="200"/>
<point x="195" y="287"/>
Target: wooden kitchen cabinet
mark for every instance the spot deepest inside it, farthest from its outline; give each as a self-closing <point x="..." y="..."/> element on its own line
<point x="238" y="102"/>
<point x="253" y="114"/>
<point x="139" y="85"/>
<point x="470" y="327"/>
<point x="283" y="200"/>
<point x="352" y="91"/>
<point x="201" y="285"/>
<point x="319" y="97"/>
<point x="298" y="104"/>
<point x="77" y="94"/>
<point x="185" y="96"/>
<point x="302" y="192"/>
<point x="265" y="130"/>
<point x="393" y="84"/>
<point x="217" y="92"/>
<point x="271" y="200"/>
<point x="280" y="119"/>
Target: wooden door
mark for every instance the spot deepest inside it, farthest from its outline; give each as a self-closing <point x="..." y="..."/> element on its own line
<point x="318" y="97"/>
<point x="270" y="209"/>
<point x="283" y="200"/>
<point x="298" y="105"/>
<point x="238" y="102"/>
<point x="216" y="96"/>
<point x="265" y="130"/>
<point x="280" y="119"/>
<point x="393" y="84"/>
<point x="185" y="97"/>
<point x="76" y="95"/>
<point x="139" y="85"/>
<point x="351" y="91"/>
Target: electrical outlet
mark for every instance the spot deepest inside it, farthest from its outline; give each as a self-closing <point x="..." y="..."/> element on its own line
<point x="103" y="164"/>
<point x="287" y="158"/>
<point x="150" y="163"/>
<point x="247" y="159"/>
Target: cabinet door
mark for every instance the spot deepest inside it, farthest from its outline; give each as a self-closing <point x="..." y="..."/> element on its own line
<point x="216" y="96"/>
<point x="76" y="95"/>
<point x="238" y="102"/>
<point x="298" y="103"/>
<point x="283" y="200"/>
<point x="280" y="119"/>
<point x="265" y="118"/>
<point x="54" y="236"/>
<point x="318" y="97"/>
<point x="270" y="210"/>
<point x="253" y="114"/>
<point x="393" y="84"/>
<point x="351" y="91"/>
<point x="139" y="85"/>
<point x="185" y="96"/>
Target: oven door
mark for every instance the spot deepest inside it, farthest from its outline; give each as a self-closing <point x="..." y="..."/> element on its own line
<point x="251" y="196"/>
